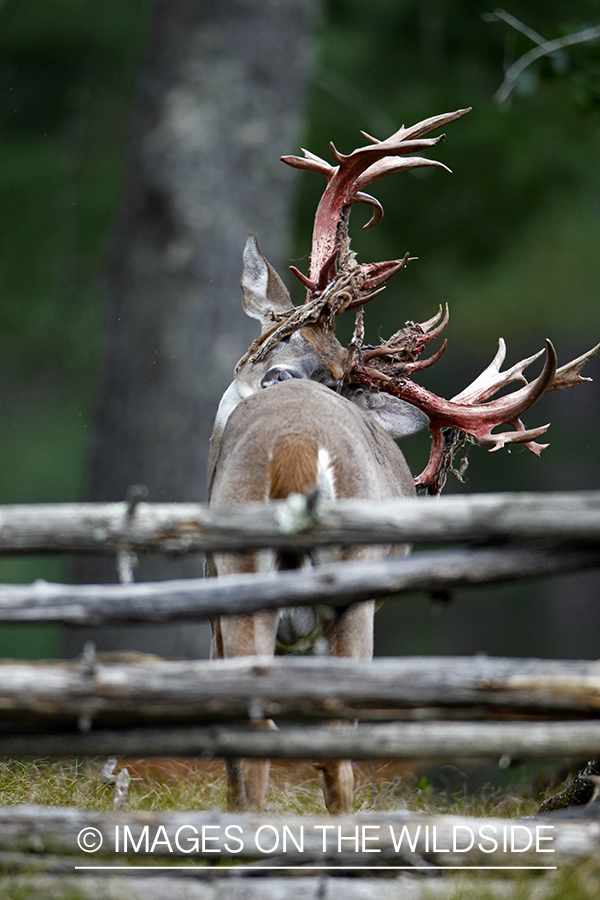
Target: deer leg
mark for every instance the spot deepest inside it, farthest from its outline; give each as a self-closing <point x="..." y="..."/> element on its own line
<point x="337" y="781"/>
<point x="247" y="779"/>
<point x="237" y="798"/>
<point x="351" y="634"/>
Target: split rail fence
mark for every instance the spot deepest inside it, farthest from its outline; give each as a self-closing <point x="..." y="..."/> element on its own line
<point x="408" y="707"/>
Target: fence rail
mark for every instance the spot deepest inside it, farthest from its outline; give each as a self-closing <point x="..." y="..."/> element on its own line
<point x="193" y="527"/>
<point x="390" y="740"/>
<point x="171" y="692"/>
<point x="333" y="584"/>
<point x="384" y="843"/>
<point x="57" y="829"/>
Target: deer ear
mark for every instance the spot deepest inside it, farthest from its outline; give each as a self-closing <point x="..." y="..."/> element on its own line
<point x="263" y="291"/>
<point x="395" y="416"/>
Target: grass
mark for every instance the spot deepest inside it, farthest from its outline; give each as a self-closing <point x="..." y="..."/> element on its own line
<point x="166" y="784"/>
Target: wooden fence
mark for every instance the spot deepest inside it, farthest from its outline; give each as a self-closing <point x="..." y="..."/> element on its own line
<point x="409" y="708"/>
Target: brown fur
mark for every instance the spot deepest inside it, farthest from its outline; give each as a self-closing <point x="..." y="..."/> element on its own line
<point x="334" y="357"/>
<point x="292" y="468"/>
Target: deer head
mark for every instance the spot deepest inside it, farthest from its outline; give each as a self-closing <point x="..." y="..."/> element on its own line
<point x="307" y="351"/>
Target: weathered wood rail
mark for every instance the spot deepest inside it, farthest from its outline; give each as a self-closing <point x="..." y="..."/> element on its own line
<point x="187" y="843"/>
<point x="218" y="884"/>
<point x="154" y="707"/>
<point x="439" y="740"/>
<point x="192" y="527"/>
<point x="148" y="690"/>
<point x="253" y="837"/>
<point x="333" y="584"/>
<point x="186" y="708"/>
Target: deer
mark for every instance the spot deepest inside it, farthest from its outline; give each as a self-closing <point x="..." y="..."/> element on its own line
<point x="306" y="415"/>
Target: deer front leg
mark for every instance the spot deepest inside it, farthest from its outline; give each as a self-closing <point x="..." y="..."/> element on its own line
<point x="247" y="779"/>
<point x="351" y="634"/>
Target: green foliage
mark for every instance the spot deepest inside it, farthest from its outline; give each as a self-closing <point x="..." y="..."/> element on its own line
<point x="67" y="72"/>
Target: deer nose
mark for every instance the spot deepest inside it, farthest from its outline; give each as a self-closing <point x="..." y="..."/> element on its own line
<point x="277" y="374"/>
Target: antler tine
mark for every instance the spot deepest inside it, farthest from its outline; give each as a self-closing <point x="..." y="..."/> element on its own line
<point x="398" y="355"/>
<point x="375" y="274"/>
<point x="384" y="167"/>
<point x="568" y="375"/>
<point x="310" y="161"/>
<point x="396" y="145"/>
<point x="427" y="125"/>
<point x="492" y="379"/>
<point x="521" y="435"/>
<point x="345" y="186"/>
<point x="423" y="127"/>
<point x="477" y="419"/>
<point x="443" y="311"/>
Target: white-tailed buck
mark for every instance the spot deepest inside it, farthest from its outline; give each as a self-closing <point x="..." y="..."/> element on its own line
<point x="306" y="414"/>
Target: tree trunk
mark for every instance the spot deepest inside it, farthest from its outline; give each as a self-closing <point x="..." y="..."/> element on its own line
<point x="219" y="101"/>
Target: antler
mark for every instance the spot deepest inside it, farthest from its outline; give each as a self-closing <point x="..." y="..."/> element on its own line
<point x="336" y="282"/>
<point x="471" y="414"/>
<point x="345" y="186"/>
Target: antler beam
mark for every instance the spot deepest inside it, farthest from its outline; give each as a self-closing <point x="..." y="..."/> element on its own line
<point x="346" y="183"/>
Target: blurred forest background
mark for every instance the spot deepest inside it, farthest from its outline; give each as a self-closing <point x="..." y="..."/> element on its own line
<point x="510" y="240"/>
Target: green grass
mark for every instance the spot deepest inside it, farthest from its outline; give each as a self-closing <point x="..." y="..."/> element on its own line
<point x="161" y="785"/>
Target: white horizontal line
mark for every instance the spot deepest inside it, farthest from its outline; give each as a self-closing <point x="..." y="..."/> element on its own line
<point x="209" y="868"/>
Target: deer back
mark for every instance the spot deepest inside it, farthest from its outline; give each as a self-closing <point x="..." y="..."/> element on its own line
<point x="300" y="435"/>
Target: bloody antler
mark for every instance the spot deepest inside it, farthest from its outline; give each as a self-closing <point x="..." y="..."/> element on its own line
<point x="345" y="186"/>
<point x="471" y="413"/>
<point x="336" y="282"/>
